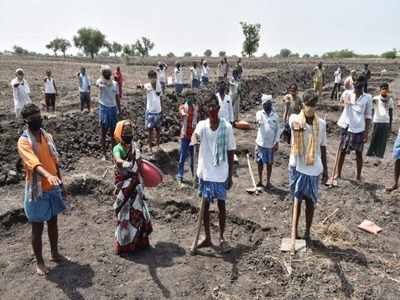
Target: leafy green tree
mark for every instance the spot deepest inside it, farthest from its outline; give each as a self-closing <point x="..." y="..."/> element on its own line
<point x="390" y="54"/>
<point x="222" y="54"/>
<point x="20" y="51"/>
<point x="187" y="54"/>
<point x="129" y="50"/>
<point x="306" y="55"/>
<point x="344" y="53"/>
<point x="251" y="34"/>
<point x="114" y="48"/>
<point x="53" y="45"/>
<point x="208" y="53"/>
<point x="63" y="45"/>
<point x="285" y="53"/>
<point x="144" y="46"/>
<point x="170" y="55"/>
<point x="90" y="41"/>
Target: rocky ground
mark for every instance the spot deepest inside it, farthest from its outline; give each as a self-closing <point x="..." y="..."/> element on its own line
<point x="343" y="263"/>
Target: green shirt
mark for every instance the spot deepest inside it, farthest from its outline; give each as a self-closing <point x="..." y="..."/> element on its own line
<point x="120" y="152"/>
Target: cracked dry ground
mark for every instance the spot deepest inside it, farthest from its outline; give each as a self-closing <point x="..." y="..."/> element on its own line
<point x="344" y="263"/>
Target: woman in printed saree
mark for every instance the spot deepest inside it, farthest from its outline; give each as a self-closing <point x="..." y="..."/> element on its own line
<point x="133" y="218"/>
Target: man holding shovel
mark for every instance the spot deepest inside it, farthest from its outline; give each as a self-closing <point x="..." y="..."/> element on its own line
<point x="214" y="170"/>
<point x="307" y="161"/>
<point x="355" y="123"/>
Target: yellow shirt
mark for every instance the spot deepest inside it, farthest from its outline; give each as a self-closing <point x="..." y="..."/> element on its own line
<point x="32" y="161"/>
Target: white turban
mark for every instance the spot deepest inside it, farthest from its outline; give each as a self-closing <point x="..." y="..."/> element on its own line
<point x="266" y="98"/>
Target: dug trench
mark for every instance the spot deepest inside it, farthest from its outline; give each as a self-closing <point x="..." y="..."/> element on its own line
<point x="342" y="263"/>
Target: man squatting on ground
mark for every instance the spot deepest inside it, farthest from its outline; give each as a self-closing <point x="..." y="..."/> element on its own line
<point x="43" y="199"/>
<point x="267" y="141"/>
<point x="306" y="162"/>
<point x="215" y="165"/>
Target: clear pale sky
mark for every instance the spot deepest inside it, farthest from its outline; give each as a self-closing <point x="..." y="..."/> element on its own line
<point x="304" y="26"/>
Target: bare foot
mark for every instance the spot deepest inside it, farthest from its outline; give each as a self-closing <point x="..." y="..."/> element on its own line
<point x="58" y="258"/>
<point x="205" y="243"/>
<point x="392" y="188"/>
<point x="224" y="246"/>
<point x="42" y="270"/>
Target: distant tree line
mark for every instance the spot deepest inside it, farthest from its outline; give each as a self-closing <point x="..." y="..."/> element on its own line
<point x="93" y="42"/>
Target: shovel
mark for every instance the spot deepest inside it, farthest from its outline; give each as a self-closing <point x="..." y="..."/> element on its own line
<point x="254" y="189"/>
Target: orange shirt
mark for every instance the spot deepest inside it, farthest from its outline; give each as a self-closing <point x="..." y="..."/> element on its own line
<point x="31" y="161"/>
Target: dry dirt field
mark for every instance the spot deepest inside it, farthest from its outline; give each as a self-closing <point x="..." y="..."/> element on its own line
<point x="343" y="262"/>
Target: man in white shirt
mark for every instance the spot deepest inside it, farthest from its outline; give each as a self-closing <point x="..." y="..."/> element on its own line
<point x="225" y="103"/>
<point x="162" y="75"/>
<point x="110" y="105"/>
<point x="234" y="93"/>
<point x="195" y="75"/>
<point x="337" y="84"/>
<point x="383" y="106"/>
<point x="84" y="89"/>
<point x="215" y="165"/>
<point x="21" y="92"/>
<point x="178" y="78"/>
<point x="204" y="73"/>
<point x="153" y="109"/>
<point x="267" y="141"/>
<point x="349" y="81"/>
<point x="307" y="161"/>
<point x="50" y="91"/>
<point x="355" y="123"/>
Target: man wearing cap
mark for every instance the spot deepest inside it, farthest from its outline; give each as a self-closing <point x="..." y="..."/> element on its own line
<point x="21" y="92"/>
<point x="267" y="141"/>
<point x="109" y="105"/>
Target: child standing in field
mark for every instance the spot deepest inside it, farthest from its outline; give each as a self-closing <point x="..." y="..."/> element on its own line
<point x="267" y="141"/>
<point x="225" y="103"/>
<point x="383" y="106"/>
<point x="21" y="92"/>
<point x="50" y="92"/>
<point x="153" y="109"/>
<point x="188" y="113"/>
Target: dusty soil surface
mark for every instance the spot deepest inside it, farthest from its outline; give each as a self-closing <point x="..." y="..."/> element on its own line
<point x="343" y="262"/>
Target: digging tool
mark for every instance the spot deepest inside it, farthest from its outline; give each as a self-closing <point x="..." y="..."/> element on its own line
<point x="331" y="180"/>
<point x="254" y="189"/>
<point x="199" y="224"/>
<point x="201" y="212"/>
<point x="294" y="220"/>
